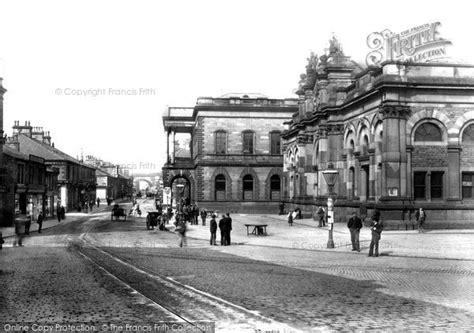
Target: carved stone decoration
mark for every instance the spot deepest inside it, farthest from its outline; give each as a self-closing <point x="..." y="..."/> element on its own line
<point x="395" y="111"/>
<point x="335" y="129"/>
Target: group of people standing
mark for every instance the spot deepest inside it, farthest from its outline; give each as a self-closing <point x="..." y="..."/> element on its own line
<point x="376" y="226"/>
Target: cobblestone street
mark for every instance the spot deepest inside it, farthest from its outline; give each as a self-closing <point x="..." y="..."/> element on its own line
<point x="92" y="270"/>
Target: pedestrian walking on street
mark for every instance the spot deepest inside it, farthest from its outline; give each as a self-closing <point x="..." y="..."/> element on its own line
<point x="376" y="228"/>
<point x="63" y="213"/>
<point x="420" y="216"/>
<point x="19" y="225"/>
<point x="58" y="213"/>
<point x="321" y="214"/>
<point x="213" y="229"/>
<point x="40" y="221"/>
<point x="355" y="224"/>
<point x="28" y="224"/>
<point x="222" y="227"/>
<point x="98" y="202"/>
<point x="181" y="229"/>
<point x="228" y="221"/>
<point x="203" y="216"/>
<point x="290" y="218"/>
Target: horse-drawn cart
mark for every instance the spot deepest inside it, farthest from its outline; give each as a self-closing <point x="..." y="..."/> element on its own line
<point x="117" y="213"/>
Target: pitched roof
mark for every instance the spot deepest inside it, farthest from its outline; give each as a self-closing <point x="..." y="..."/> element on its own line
<point x="32" y="146"/>
<point x="15" y="153"/>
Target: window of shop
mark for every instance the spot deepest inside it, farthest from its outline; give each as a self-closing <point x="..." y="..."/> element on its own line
<point x="248" y="187"/>
<point x="248" y="144"/>
<point x="420" y="185"/>
<point x="220" y="187"/>
<point x="275" y="143"/>
<point x="428" y="132"/>
<point x="221" y="142"/>
<point x="467" y="185"/>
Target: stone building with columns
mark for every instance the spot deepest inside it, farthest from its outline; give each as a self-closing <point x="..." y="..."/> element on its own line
<point x="400" y="135"/>
<point x="231" y="159"/>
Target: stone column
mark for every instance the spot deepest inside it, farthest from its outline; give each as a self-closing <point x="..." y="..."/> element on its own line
<point x="173" y="138"/>
<point x="454" y="180"/>
<point x="372" y="169"/>
<point x="168" y="146"/>
<point x="394" y="149"/>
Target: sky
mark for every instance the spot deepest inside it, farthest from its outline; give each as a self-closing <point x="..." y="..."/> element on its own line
<point x="99" y="74"/>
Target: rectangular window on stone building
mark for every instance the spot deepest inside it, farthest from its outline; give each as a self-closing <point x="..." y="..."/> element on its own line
<point x="275" y="143"/>
<point x="221" y="143"/>
<point x="437" y="185"/>
<point x="248" y="143"/>
<point x="419" y="179"/>
<point x="467" y="184"/>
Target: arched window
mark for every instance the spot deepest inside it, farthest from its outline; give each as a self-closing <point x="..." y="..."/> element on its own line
<point x="275" y="187"/>
<point x="221" y="142"/>
<point x="468" y="134"/>
<point x="275" y="143"/>
<point x="428" y="132"/>
<point x="365" y="145"/>
<point x="248" y="144"/>
<point x="247" y="186"/>
<point x="220" y="187"/>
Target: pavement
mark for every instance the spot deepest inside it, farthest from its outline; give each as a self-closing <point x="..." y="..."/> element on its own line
<point x="52" y="222"/>
<point x="306" y="235"/>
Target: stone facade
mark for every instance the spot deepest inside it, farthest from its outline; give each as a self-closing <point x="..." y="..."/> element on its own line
<point x="234" y="152"/>
<point x="401" y="137"/>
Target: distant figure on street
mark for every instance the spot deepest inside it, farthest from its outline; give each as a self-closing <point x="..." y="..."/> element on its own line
<point x="63" y="213"/>
<point x="355" y="224"/>
<point x="40" y="221"/>
<point x="281" y="208"/>
<point x="213" y="229"/>
<point x="222" y="227"/>
<point x="19" y="225"/>
<point x="376" y="228"/>
<point x="228" y="222"/>
<point x="58" y="213"/>
<point x="181" y="229"/>
<point x="290" y="217"/>
<point x="321" y="215"/>
<point x="28" y="224"/>
<point x="420" y="217"/>
<point x="98" y="202"/>
<point x="203" y="216"/>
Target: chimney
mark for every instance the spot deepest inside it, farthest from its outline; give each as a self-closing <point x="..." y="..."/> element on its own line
<point x="37" y="133"/>
<point x="22" y="129"/>
<point x="47" y="138"/>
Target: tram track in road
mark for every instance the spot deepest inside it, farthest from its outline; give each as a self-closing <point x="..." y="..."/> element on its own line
<point x="169" y="296"/>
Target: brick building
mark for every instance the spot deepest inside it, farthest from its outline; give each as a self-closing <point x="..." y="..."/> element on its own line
<point x="232" y="159"/>
<point x="31" y="186"/>
<point x="401" y="136"/>
<point x="76" y="180"/>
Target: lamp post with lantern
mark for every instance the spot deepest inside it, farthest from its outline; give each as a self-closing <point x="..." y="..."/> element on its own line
<point x="330" y="176"/>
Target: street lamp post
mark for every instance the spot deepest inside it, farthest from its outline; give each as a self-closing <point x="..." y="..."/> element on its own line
<point x="330" y="176"/>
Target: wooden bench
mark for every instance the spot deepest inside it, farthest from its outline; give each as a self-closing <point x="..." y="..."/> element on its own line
<point x="258" y="229"/>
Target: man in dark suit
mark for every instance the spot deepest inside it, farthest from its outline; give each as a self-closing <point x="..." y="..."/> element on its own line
<point x="213" y="229"/>
<point x="228" y="228"/>
<point x="222" y="227"/>
<point x="376" y="227"/>
<point x="355" y="224"/>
